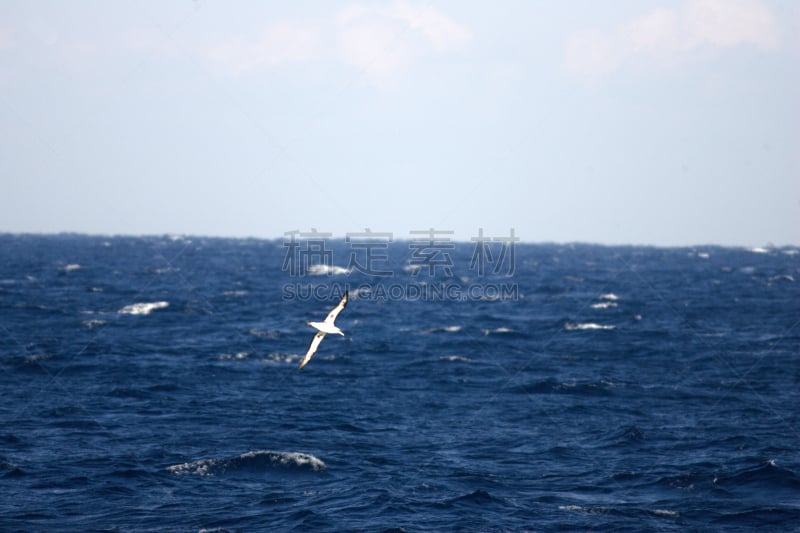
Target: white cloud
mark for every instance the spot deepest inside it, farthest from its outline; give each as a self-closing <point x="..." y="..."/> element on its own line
<point x="591" y="54"/>
<point x="380" y="41"/>
<point x="280" y="43"/>
<point x="666" y="37"/>
<point x="383" y="41"/>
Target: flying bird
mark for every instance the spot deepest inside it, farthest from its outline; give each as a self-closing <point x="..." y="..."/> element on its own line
<point x="323" y="328"/>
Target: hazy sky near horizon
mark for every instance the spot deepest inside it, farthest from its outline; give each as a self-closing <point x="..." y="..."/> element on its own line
<point x="644" y="122"/>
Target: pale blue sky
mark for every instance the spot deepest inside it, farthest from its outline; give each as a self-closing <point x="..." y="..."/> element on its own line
<point x="650" y="122"/>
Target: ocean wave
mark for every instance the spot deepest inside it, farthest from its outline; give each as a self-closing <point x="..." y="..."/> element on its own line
<point x="237" y="356"/>
<point x="603" y="305"/>
<point x="270" y="334"/>
<point x="322" y="270"/>
<point x="571" y="326"/>
<point x="10" y="470"/>
<point x="255" y="461"/>
<point x="767" y="476"/>
<point x="781" y="277"/>
<point x="477" y="497"/>
<point x="143" y="308"/>
<point x="552" y="386"/>
<point x="443" y="329"/>
<point x="235" y="293"/>
<point x="498" y="330"/>
<point x="456" y="359"/>
<point x="277" y="358"/>
<point x="608" y="296"/>
<point x="597" y="509"/>
<point x="72" y="266"/>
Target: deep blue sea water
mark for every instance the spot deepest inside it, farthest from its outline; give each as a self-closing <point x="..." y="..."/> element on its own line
<point x="151" y="384"/>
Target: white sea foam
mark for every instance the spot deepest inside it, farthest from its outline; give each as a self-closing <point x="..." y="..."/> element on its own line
<point x="664" y="512"/>
<point x="571" y="508"/>
<point x="497" y="330"/>
<point x="591" y="510"/>
<point x="321" y="270"/>
<point x="93" y="323"/>
<point x="72" y="266"/>
<point x="238" y="356"/>
<point x="143" y="308"/>
<point x="283" y="358"/>
<point x="235" y="293"/>
<point x="703" y="255"/>
<point x="456" y="359"/>
<point x="255" y="460"/>
<point x="166" y="270"/>
<point x="570" y="326"/>
<point x="603" y="305"/>
<point x="443" y="329"/>
<point x="609" y="296"/>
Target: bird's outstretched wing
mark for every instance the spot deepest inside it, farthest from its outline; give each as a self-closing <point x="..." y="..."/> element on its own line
<point x="336" y="310"/>
<point x="312" y="348"/>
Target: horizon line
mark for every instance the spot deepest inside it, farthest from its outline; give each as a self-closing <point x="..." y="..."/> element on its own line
<point x="177" y="235"/>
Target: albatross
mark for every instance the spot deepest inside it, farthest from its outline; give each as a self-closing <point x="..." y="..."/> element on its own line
<point x="323" y="328"/>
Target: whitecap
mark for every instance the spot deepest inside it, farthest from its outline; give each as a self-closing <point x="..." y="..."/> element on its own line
<point x="235" y="293"/>
<point x="456" y="359"/>
<point x="72" y="266"/>
<point x="608" y="296"/>
<point x="759" y="250"/>
<point x="321" y="270"/>
<point x="572" y="508"/>
<point x="444" y="329"/>
<point x="166" y="270"/>
<point x="664" y="512"/>
<point x="38" y="357"/>
<point x="603" y="305"/>
<point x="93" y="323"/>
<point x="238" y="356"/>
<point x="143" y="308"/>
<point x="499" y="330"/>
<point x="703" y="255"/>
<point x="261" y="460"/>
<point x="270" y="334"/>
<point x="570" y="326"/>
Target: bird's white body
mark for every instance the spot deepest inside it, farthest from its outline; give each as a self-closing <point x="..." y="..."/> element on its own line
<point x="324" y="328"/>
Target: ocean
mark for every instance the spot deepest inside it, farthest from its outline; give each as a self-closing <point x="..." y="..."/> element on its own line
<point x="152" y="384"/>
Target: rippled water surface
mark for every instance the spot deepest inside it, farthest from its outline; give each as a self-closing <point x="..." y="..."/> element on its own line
<point x="151" y="384"/>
